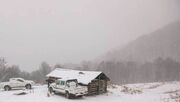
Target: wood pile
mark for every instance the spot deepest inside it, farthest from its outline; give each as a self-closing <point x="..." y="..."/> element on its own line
<point x="129" y="90"/>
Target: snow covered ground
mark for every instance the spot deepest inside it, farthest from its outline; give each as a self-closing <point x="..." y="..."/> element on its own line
<point x="149" y="92"/>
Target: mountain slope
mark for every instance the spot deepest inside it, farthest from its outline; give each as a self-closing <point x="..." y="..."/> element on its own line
<point x="164" y="43"/>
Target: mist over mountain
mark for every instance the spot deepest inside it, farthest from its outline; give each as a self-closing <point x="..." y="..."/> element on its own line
<point x="150" y="58"/>
<point x="162" y="43"/>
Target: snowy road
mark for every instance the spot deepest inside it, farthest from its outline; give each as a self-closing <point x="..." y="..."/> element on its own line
<point x="152" y="92"/>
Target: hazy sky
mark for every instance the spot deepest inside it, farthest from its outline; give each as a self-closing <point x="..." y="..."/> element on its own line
<point x="63" y="31"/>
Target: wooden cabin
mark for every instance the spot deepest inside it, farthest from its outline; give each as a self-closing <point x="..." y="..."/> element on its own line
<point x="95" y="81"/>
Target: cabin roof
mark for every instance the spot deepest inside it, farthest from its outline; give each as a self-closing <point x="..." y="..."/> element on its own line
<point x="83" y="77"/>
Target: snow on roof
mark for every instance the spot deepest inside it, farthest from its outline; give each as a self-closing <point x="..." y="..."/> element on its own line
<point x="83" y="77"/>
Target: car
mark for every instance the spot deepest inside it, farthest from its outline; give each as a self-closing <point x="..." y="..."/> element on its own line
<point x="69" y="87"/>
<point x="17" y="83"/>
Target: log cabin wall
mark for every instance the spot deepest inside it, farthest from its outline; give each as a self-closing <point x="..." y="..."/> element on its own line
<point x="97" y="87"/>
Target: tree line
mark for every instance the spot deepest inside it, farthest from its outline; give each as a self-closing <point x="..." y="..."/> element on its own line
<point x="10" y="71"/>
<point x="119" y="72"/>
<point x="133" y="72"/>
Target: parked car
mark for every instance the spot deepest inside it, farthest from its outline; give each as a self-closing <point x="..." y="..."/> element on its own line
<point x="68" y="87"/>
<point x="16" y="83"/>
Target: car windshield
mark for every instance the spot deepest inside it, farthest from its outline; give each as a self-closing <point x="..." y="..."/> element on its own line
<point x="20" y="80"/>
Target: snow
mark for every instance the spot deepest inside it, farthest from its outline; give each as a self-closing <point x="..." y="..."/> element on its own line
<point x="83" y="77"/>
<point x="151" y="92"/>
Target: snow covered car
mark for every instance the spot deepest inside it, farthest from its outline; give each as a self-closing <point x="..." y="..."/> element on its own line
<point x="68" y="87"/>
<point x="16" y="83"/>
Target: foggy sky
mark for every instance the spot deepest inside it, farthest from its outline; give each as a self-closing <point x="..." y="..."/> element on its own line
<point x="69" y="31"/>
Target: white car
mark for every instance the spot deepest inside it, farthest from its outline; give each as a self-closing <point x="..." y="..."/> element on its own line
<point x="68" y="87"/>
<point x="16" y="83"/>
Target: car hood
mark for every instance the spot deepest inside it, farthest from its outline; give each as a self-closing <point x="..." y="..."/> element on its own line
<point x="2" y="83"/>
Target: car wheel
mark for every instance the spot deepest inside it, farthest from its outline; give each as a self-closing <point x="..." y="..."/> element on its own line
<point x="28" y="86"/>
<point x="7" y="88"/>
<point x="67" y="95"/>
